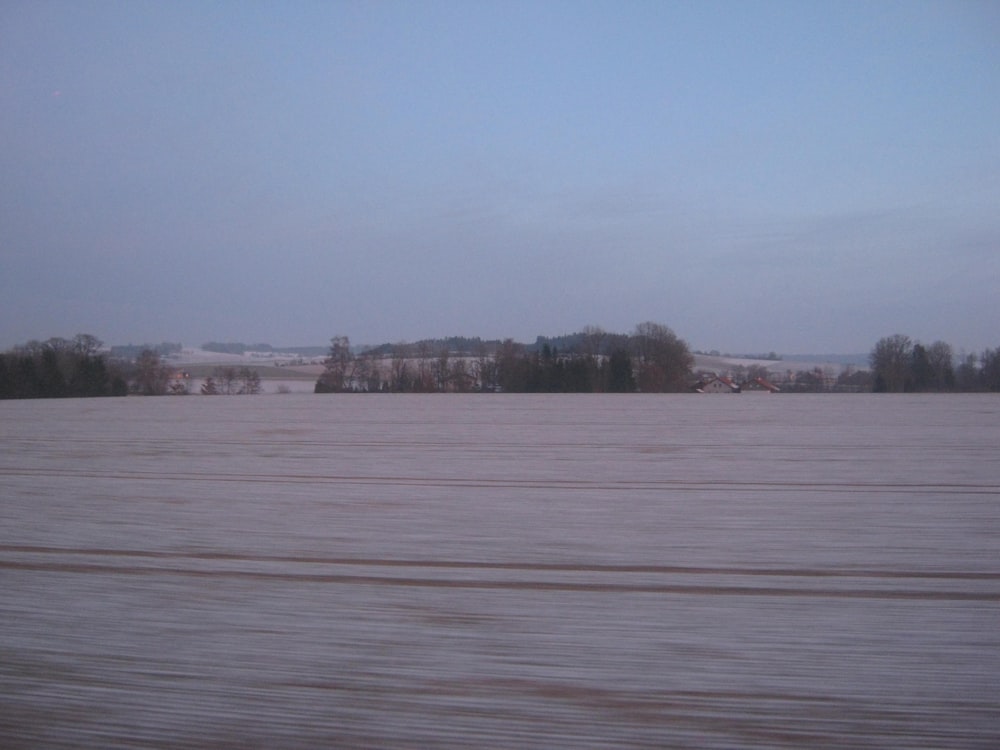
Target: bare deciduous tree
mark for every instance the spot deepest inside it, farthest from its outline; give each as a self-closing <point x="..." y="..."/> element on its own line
<point x="663" y="361"/>
<point x="226" y="380"/>
<point x="337" y="367"/>
<point x="151" y="374"/>
<point x="249" y="382"/>
<point x="942" y="363"/>
<point x="890" y="362"/>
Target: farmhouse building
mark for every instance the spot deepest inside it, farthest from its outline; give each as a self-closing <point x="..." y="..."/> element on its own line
<point x="718" y="384"/>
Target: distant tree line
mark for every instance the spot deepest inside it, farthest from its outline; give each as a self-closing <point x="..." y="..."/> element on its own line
<point x="651" y="359"/>
<point x="901" y="365"/>
<point x="60" y="368"/>
<point x="134" y="351"/>
<point x="452" y="344"/>
<point x="78" y="367"/>
<point x="232" y="381"/>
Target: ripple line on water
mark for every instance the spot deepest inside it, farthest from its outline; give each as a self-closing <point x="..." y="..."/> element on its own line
<point x="527" y="565"/>
<point x="520" y="585"/>
<point x="576" y="485"/>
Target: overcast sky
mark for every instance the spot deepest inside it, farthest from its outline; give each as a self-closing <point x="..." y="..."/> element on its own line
<point x="760" y="176"/>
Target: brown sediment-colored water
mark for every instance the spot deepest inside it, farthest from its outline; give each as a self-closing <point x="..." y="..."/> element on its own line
<point x="500" y="571"/>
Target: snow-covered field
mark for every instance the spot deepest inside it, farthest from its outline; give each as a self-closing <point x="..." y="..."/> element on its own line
<point x="720" y="364"/>
<point x="197" y="356"/>
<point x="501" y="571"/>
<point x="280" y="373"/>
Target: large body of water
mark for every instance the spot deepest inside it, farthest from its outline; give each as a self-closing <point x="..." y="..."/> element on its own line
<point x="504" y="571"/>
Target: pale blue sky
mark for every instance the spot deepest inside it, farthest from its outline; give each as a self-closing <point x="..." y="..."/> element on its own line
<point x="787" y="176"/>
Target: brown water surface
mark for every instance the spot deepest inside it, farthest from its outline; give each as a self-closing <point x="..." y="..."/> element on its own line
<point x="500" y="571"/>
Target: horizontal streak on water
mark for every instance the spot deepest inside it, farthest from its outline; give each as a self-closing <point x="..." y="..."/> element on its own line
<point x="486" y="483"/>
<point x="593" y="579"/>
<point x="527" y="566"/>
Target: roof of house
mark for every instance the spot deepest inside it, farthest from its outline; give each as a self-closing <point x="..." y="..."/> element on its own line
<point x="728" y="383"/>
<point x="761" y="384"/>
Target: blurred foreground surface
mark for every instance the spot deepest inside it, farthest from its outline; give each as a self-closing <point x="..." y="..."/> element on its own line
<point x="500" y="571"/>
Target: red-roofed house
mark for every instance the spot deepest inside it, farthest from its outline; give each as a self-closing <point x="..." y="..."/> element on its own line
<point x="759" y="385"/>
